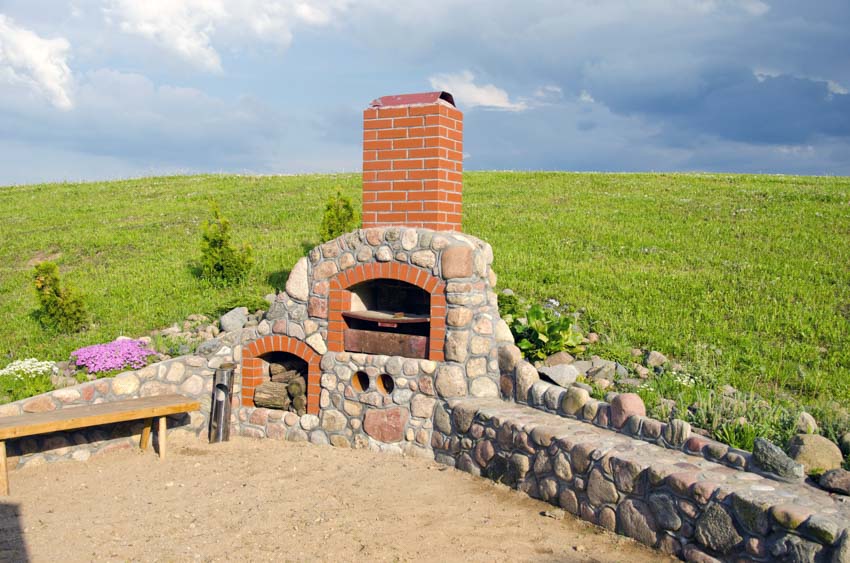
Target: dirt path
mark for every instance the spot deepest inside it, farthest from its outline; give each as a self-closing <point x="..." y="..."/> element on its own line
<point x="279" y="501"/>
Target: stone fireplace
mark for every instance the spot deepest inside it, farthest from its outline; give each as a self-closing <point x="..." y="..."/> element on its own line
<point x="396" y="316"/>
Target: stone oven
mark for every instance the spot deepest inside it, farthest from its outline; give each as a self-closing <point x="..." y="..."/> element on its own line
<point x="396" y="316"/>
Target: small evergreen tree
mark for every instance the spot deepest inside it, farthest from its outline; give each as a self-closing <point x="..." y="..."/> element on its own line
<point x="61" y="308"/>
<point x="221" y="262"/>
<point x="339" y="218"/>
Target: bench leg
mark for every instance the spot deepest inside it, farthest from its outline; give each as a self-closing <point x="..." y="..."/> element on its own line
<point x="4" y="471"/>
<point x="146" y="434"/>
<point x="161" y="435"/>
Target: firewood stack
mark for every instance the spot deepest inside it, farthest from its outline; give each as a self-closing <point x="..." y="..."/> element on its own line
<point x="286" y="390"/>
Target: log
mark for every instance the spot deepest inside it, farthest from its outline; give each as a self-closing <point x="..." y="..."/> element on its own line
<point x="299" y="403"/>
<point x="272" y="395"/>
<point x="296" y="387"/>
<point x="285" y="376"/>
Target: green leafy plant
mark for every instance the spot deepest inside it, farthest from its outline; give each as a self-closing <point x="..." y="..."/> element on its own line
<point x="339" y="218"/>
<point x="543" y="331"/>
<point x="25" y="378"/>
<point x="61" y="308"/>
<point x="222" y="263"/>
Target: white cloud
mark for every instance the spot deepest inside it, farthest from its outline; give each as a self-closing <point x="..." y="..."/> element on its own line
<point x="466" y="92"/>
<point x="36" y="63"/>
<point x="190" y="28"/>
<point x="585" y="97"/>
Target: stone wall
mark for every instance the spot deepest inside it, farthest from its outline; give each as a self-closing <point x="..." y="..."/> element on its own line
<point x="684" y="506"/>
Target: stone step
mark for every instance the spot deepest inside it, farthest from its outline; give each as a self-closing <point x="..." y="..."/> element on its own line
<point x="685" y="505"/>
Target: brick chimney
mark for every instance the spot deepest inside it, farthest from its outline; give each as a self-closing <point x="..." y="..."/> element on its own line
<point x="413" y="162"/>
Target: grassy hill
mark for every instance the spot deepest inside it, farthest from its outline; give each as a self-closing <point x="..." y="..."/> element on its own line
<point x="745" y="277"/>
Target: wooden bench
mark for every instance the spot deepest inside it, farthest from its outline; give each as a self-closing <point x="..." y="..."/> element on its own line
<point x="147" y="408"/>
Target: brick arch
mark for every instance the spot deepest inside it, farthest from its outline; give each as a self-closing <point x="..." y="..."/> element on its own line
<point x="340" y="299"/>
<point x="252" y="374"/>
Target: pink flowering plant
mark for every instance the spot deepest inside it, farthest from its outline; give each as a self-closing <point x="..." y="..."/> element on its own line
<point x="113" y="356"/>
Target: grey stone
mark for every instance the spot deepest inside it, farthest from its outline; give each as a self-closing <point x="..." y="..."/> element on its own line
<point x="599" y="490"/>
<point x="635" y="520"/>
<point x="442" y="420"/>
<point x="677" y="432"/>
<point x="605" y="370"/>
<point x="319" y="438"/>
<point x="836" y="481"/>
<point x="806" y="424"/>
<point x="209" y="347"/>
<point x="715" y="530"/>
<point x="422" y="406"/>
<point x="483" y="387"/>
<point x="574" y="400"/>
<point x="815" y="452"/>
<point x="561" y="374"/>
<point x="770" y="458"/>
<point x="526" y="376"/>
<point x="333" y="421"/>
<point x="582" y="366"/>
<point x="655" y="359"/>
<point x="793" y="549"/>
<point x="296" y="435"/>
<point x="234" y="319"/>
<point x="664" y="510"/>
<point x="457" y="345"/>
<point x="462" y="415"/>
<point x="450" y="381"/>
<point x="309" y="422"/>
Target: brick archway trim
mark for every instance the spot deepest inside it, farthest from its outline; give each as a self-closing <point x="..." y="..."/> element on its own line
<point x="252" y="372"/>
<point x="339" y="299"/>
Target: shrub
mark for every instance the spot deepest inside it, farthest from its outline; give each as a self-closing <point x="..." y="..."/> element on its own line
<point x="118" y="355"/>
<point x="221" y="262"/>
<point x="61" y="308"/>
<point x="339" y="218"/>
<point x="543" y="331"/>
<point x="25" y="378"/>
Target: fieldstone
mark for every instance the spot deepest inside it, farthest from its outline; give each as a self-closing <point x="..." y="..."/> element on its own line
<point x="340" y="441"/>
<point x="457" y="345"/>
<point x="295" y="434"/>
<point x="599" y="490"/>
<point x="676" y="432"/>
<point x="580" y="455"/>
<point x="459" y="316"/>
<point x="422" y="406"/>
<point x="770" y="458"/>
<point x="664" y="509"/>
<point x="175" y="374"/>
<point x="605" y="370"/>
<point x="384" y="254"/>
<point x="193" y="386"/>
<point x="795" y="549"/>
<point x="836" y="481"/>
<point x="655" y="359"/>
<point x="386" y="425"/>
<point x="442" y="420"/>
<point x="10" y="409"/>
<point x="456" y="262"/>
<point x="790" y="516"/>
<point x="424" y="258"/>
<point x="317" y="343"/>
<point x="806" y="424"/>
<point x="333" y="421"/>
<point x="503" y="332"/>
<point x="462" y="416"/>
<point x="476" y="367"/>
<point x="635" y="519"/>
<point x="715" y="530"/>
<point x="568" y="501"/>
<point x="563" y="374"/>
<point x="234" y="319"/>
<point x="483" y="452"/>
<point x="324" y="270"/>
<point x="409" y="238"/>
<point x="309" y="422"/>
<point x="574" y="400"/>
<point x="509" y="357"/>
<point x="402" y="396"/>
<point x="66" y="395"/>
<point x="451" y="381"/>
<point x="483" y="387"/>
<point x="815" y="452"/>
<point x="42" y="403"/>
<point x="625" y="405"/>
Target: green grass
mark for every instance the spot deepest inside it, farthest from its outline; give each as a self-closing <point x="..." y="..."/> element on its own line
<point x="747" y="277"/>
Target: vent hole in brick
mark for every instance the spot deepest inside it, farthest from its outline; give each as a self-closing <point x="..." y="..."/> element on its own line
<point x="360" y="381"/>
<point x="385" y="384"/>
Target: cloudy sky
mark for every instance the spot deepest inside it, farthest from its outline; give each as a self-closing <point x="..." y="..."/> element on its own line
<point x="94" y="89"/>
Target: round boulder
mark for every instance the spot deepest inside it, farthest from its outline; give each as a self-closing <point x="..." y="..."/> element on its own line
<point x="815" y="452"/>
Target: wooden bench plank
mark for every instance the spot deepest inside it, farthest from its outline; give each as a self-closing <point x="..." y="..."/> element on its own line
<point x="92" y="415"/>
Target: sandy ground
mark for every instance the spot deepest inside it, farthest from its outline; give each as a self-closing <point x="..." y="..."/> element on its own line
<point x="263" y="500"/>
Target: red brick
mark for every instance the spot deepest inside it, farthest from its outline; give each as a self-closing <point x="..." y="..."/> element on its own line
<point x="378" y="124"/>
<point x="378" y="165"/>
<point x="377" y="145"/>
<point x="391" y="134"/>
<point x="429" y="109"/>
<point x="391" y="154"/>
<point x="393" y="112"/>
<point x="409" y="143"/>
<point x="409" y="122"/>
<point x="405" y="164"/>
